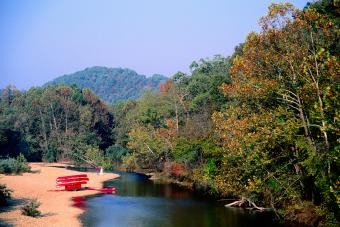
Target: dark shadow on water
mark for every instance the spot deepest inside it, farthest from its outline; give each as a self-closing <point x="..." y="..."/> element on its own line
<point x="142" y="202"/>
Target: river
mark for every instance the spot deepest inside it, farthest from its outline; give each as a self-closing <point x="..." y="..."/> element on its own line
<point x="145" y="203"/>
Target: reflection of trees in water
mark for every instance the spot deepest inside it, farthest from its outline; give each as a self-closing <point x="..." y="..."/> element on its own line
<point x="79" y="201"/>
<point x="142" y="202"/>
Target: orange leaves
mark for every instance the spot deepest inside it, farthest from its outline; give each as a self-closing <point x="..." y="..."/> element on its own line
<point x="241" y="131"/>
<point x="250" y="89"/>
<point x="241" y="65"/>
<point x="168" y="133"/>
<point x="64" y="91"/>
<point x="90" y="97"/>
<point x="166" y="86"/>
<point x="278" y="57"/>
<point x="252" y="72"/>
<point x="279" y="15"/>
<point x="171" y="124"/>
<point x="175" y="169"/>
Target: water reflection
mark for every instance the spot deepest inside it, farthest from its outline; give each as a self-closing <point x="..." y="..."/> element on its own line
<point x="79" y="201"/>
<point x="141" y="202"/>
<point x="134" y="184"/>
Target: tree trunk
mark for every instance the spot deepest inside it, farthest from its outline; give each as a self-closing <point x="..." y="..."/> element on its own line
<point x="66" y="121"/>
<point x="246" y="203"/>
<point x="54" y="119"/>
<point x="176" y="112"/>
<point x="323" y="128"/>
<point x="43" y="130"/>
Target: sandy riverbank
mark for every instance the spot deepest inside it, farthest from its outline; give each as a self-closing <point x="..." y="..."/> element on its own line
<point x="56" y="207"/>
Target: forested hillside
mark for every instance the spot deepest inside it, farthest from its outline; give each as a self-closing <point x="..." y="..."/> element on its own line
<point x="112" y="84"/>
<point x="261" y="124"/>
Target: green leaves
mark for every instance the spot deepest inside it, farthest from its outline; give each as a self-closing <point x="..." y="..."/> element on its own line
<point x="46" y="122"/>
<point x="279" y="135"/>
<point x="112" y="85"/>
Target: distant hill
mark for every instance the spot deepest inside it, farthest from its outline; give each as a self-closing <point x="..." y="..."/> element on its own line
<point x="112" y="84"/>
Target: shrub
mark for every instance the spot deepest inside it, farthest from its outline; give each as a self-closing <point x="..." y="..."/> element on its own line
<point x="5" y="194"/>
<point x="107" y="164"/>
<point x="51" y="154"/>
<point x="116" y="152"/>
<point x="186" y="151"/>
<point x="31" y="208"/>
<point x="210" y="168"/>
<point x="176" y="170"/>
<point x="14" y="166"/>
<point x="113" y="156"/>
<point x="129" y="162"/>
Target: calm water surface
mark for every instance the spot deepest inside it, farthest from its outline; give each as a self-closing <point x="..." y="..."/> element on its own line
<point x="144" y="203"/>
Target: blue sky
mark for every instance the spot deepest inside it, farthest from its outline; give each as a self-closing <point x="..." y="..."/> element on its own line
<point x="43" y="39"/>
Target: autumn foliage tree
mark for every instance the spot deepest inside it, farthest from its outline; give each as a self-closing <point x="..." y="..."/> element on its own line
<point x="282" y="135"/>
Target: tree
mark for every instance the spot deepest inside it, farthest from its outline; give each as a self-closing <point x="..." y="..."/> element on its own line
<point x="41" y="122"/>
<point x="286" y="71"/>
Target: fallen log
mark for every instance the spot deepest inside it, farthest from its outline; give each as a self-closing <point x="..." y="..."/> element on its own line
<point x="246" y="203"/>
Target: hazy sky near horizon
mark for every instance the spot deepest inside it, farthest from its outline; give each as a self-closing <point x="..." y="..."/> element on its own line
<point x="43" y="39"/>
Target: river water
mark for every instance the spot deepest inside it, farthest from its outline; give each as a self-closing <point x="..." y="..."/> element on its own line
<point x="144" y="203"/>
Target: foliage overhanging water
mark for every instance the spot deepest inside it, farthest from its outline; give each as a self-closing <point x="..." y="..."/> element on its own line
<point x="142" y="202"/>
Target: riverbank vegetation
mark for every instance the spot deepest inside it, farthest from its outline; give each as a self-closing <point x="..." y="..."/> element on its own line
<point x="16" y="165"/>
<point x="261" y="124"/>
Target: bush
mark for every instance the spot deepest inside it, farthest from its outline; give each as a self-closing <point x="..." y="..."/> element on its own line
<point x="129" y="162"/>
<point x="116" y="152"/>
<point x="114" y="156"/>
<point x="31" y="209"/>
<point x="107" y="164"/>
<point x="176" y="170"/>
<point x="210" y="168"/>
<point x="187" y="151"/>
<point x="51" y="154"/>
<point x="5" y="194"/>
<point x="14" y="166"/>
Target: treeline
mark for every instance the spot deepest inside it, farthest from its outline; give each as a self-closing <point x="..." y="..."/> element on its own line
<point x="111" y="84"/>
<point x="262" y="123"/>
<point x="54" y="123"/>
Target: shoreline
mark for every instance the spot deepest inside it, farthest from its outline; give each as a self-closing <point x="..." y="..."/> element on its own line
<point x="56" y="206"/>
